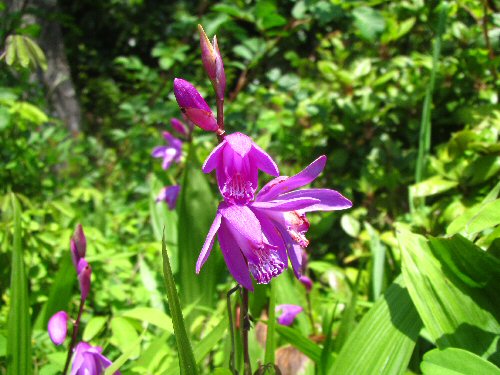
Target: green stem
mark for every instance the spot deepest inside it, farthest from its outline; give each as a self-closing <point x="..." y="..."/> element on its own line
<point x="232" y="359"/>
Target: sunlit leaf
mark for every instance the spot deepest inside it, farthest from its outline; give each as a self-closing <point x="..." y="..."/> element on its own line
<point x="453" y="361"/>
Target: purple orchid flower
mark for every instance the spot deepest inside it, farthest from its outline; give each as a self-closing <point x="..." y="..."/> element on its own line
<point x="282" y="210"/>
<point x="169" y="195"/>
<point x="288" y="313"/>
<point x="58" y="327"/>
<point x="256" y="237"/>
<point x="236" y="161"/>
<point x="170" y="153"/>
<point x="194" y="107"/>
<point x="89" y="360"/>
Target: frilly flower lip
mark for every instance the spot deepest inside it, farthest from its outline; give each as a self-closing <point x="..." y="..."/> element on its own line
<point x="288" y="313"/>
<point x="257" y="237"/>
<point x="194" y="107"/>
<point x="88" y="360"/>
<point x="237" y="161"/>
<point x="58" y="327"/>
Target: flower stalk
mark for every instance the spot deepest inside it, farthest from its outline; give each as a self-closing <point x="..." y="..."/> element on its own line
<point x="74" y="335"/>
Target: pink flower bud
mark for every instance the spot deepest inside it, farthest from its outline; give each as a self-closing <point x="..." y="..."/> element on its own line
<point x="84" y="273"/>
<point x="307" y="282"/>
<point x="58" y="327"/>
<point x="180" y="127"/>
<point x="212" y="61"/>
<point x="78" y="244"/>
<point x="194" y="106"/>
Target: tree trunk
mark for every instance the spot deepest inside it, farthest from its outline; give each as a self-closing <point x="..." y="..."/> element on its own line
<point x="57" y="77"/>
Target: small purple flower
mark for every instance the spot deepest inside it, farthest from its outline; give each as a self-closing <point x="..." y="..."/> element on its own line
<point x="212" y="61"/>
<point x="194" y="107"/>
<point x="88" y="360"/>
<point x="288" y="313"/>
<point x="256" y="236"/>
<point x="170" y="153"/>
<point x="58" y="327"/>
<point x="78" y="244"/>
<point x="236" y="161"/>
<point x="84" y="274"/>
<point x="169" y="195"/>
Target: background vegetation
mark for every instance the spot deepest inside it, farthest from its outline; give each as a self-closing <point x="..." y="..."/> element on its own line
<point x="305" y="77"/>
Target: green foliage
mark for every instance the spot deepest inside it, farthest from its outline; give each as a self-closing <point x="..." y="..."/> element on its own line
<point x="306" y="77"/>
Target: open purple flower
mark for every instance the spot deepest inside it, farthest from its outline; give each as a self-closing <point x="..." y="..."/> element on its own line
<point x="58" y="327"/>
<point x="237" y="161"/>
<point x="256" y="237"/>
<point x="169" y="195"/>
<point x="194" y="107"/>
<point x="88" y="360"/>
<point x="170" y="153"/>
<point x="288" y="313"/>
<point x="282" y="210"/>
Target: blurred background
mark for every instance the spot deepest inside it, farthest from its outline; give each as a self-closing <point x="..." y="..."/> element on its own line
<point x="86" y="90"/>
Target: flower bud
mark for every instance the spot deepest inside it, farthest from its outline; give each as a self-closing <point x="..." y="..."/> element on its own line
<point x="84" y="273"/>
<point x="194" y="106"/>
<point x="58" y="327"/>
<point x="307" y="282"/>
<point x="180" y="127"/>
<point x="78" y="244"/>
<point x="212" y="61"/>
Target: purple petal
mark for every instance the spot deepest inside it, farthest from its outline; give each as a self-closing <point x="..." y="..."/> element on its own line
<point x="328" y="200"/>
<point x="158" y="151"/>
<point x="288" y="313"/>
<point x="220" y="75"/>
<point x="213" y="159"/>
<point x="80" y="241"/>
<point x="264" y="162"/>
<point x="244" y="227"/>
<point x="209" y="242"/>
<point x="234" y="258"/>
<point x="287" y="204"/>
<point x="240" y="143"/>
<point x="58" y="327"/>
<point x="272" y="235"/>
<point x="280" y="186"/>
<point x="294" y="251"/>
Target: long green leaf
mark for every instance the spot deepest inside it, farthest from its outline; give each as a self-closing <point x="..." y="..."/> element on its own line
<point x="453" y="361"/>
<point x="383" y="341"/>
<point x="187" y="363"/>
<point x="18" y="327"/>
<point x="301" y="342"/>
<point x="196" y="211"/>
<point x="454" y="292"/>
<point x="424" y="144"/>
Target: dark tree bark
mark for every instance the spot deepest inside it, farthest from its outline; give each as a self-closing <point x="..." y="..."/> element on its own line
<point x="57" y="78"/>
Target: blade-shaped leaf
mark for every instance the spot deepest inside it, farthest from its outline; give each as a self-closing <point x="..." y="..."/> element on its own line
<point x="187" y="363"/>
<point x="454" y="293"/>
<point x="384" y="338"/>
<point x="453" y="361"/>
<point x="18" y="327"/>
<point x="196" y="211"/>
